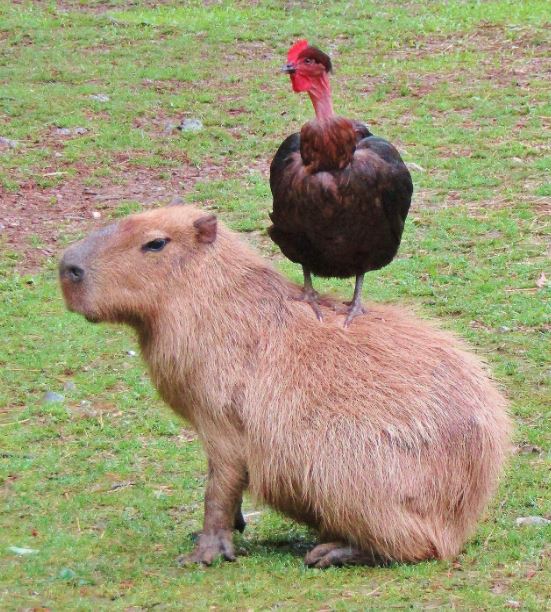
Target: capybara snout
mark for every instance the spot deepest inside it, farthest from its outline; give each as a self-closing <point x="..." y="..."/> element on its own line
<point x="388" y="437"/>
<point x="76" y="271"/>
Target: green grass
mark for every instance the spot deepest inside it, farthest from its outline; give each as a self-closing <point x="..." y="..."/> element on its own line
<point x="107" y="486"/>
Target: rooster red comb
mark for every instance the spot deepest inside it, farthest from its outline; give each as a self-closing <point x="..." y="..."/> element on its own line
<point x="296" y="50"/>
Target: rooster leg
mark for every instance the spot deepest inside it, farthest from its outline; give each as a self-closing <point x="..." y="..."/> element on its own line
<point x="309" y="294"/>
<point x="356" y="307"/>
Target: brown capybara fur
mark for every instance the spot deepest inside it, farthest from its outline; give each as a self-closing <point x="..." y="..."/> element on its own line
<point x="387" y="437"/>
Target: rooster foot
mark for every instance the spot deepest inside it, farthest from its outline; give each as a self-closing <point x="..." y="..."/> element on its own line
<point x="355" y="308"/>
<point x="311" y="297"/>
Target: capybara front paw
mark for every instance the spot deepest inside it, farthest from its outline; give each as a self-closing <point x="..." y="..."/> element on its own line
<point x="209" y="548"/>
<point x="337" y="554"/>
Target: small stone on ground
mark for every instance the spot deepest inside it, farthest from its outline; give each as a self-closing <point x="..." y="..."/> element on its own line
<point x="8" y="143"/>
<point x="50" y="397"/>
<point x="100" y="97"/>
<point x="190" y="125"/>
<point x="532" y="520"/>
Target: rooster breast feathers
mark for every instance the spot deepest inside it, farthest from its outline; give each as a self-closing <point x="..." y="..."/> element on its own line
<point x="339" y="221"/>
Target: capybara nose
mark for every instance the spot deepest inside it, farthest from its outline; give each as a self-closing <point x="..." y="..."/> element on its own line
<point x="71" y="271"/>
<point x="75" y="273"/>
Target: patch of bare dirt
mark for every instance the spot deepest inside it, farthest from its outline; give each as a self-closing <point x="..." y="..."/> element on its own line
<point x="520" y="72"/>
<point x="97" y="6"/>
<point x="35" y="220"/>
<point x="487" y="38"/>
<point x="514" y="56"/>
<point x="165" y="85"/>
<point x="418" y="85"/>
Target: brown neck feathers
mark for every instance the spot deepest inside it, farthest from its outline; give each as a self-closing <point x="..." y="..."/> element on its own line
<point x="327" y="144"/>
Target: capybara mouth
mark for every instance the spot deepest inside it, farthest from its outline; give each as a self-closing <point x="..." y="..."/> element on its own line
<point x="78" y="307"/>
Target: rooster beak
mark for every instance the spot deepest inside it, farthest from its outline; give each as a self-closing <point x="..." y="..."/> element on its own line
<point x="289" y="68"/>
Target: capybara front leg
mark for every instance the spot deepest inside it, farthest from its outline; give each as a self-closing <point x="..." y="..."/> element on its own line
<point x="338" y="553"/>
<point x="222" y="509"/>
<point x="239" y="523"/>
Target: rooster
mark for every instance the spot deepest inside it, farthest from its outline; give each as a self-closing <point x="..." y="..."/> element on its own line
<point x="340" y="194"/>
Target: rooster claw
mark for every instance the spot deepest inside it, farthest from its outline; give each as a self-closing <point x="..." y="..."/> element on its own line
<point x="311" y="297"/>
<point x="354" y="310"/>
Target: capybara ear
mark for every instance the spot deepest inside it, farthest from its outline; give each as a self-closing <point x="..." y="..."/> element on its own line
<point x="206" y="228"/>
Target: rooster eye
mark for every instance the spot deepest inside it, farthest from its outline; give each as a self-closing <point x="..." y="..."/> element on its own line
<point x="308" y="61"/>
<point x="156" y="245"/>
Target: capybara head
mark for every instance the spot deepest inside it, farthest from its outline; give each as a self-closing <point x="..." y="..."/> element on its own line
<point x="120" y="273"/>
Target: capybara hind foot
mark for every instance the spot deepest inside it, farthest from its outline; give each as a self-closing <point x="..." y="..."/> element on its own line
<point x="209" y="548"/>
<point x="337" y="553"/>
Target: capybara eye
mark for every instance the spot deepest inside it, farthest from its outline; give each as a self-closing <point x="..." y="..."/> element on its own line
<point x="156" y="245"/>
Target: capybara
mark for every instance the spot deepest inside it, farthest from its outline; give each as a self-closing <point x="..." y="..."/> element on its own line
<point x="388" y="438"/>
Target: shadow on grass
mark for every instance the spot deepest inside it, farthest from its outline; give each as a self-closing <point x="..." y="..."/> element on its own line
<point x="295" y="546"/>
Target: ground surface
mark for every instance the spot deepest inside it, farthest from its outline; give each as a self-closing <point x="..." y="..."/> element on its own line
<point x="106" y="487"/>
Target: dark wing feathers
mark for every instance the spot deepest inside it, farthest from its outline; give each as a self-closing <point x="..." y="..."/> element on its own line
<point x="282" y="158"/>
<point x="398" y="186"/>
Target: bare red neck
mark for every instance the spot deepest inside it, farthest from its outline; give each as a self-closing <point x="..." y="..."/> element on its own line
<point x="320" y="94"/>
